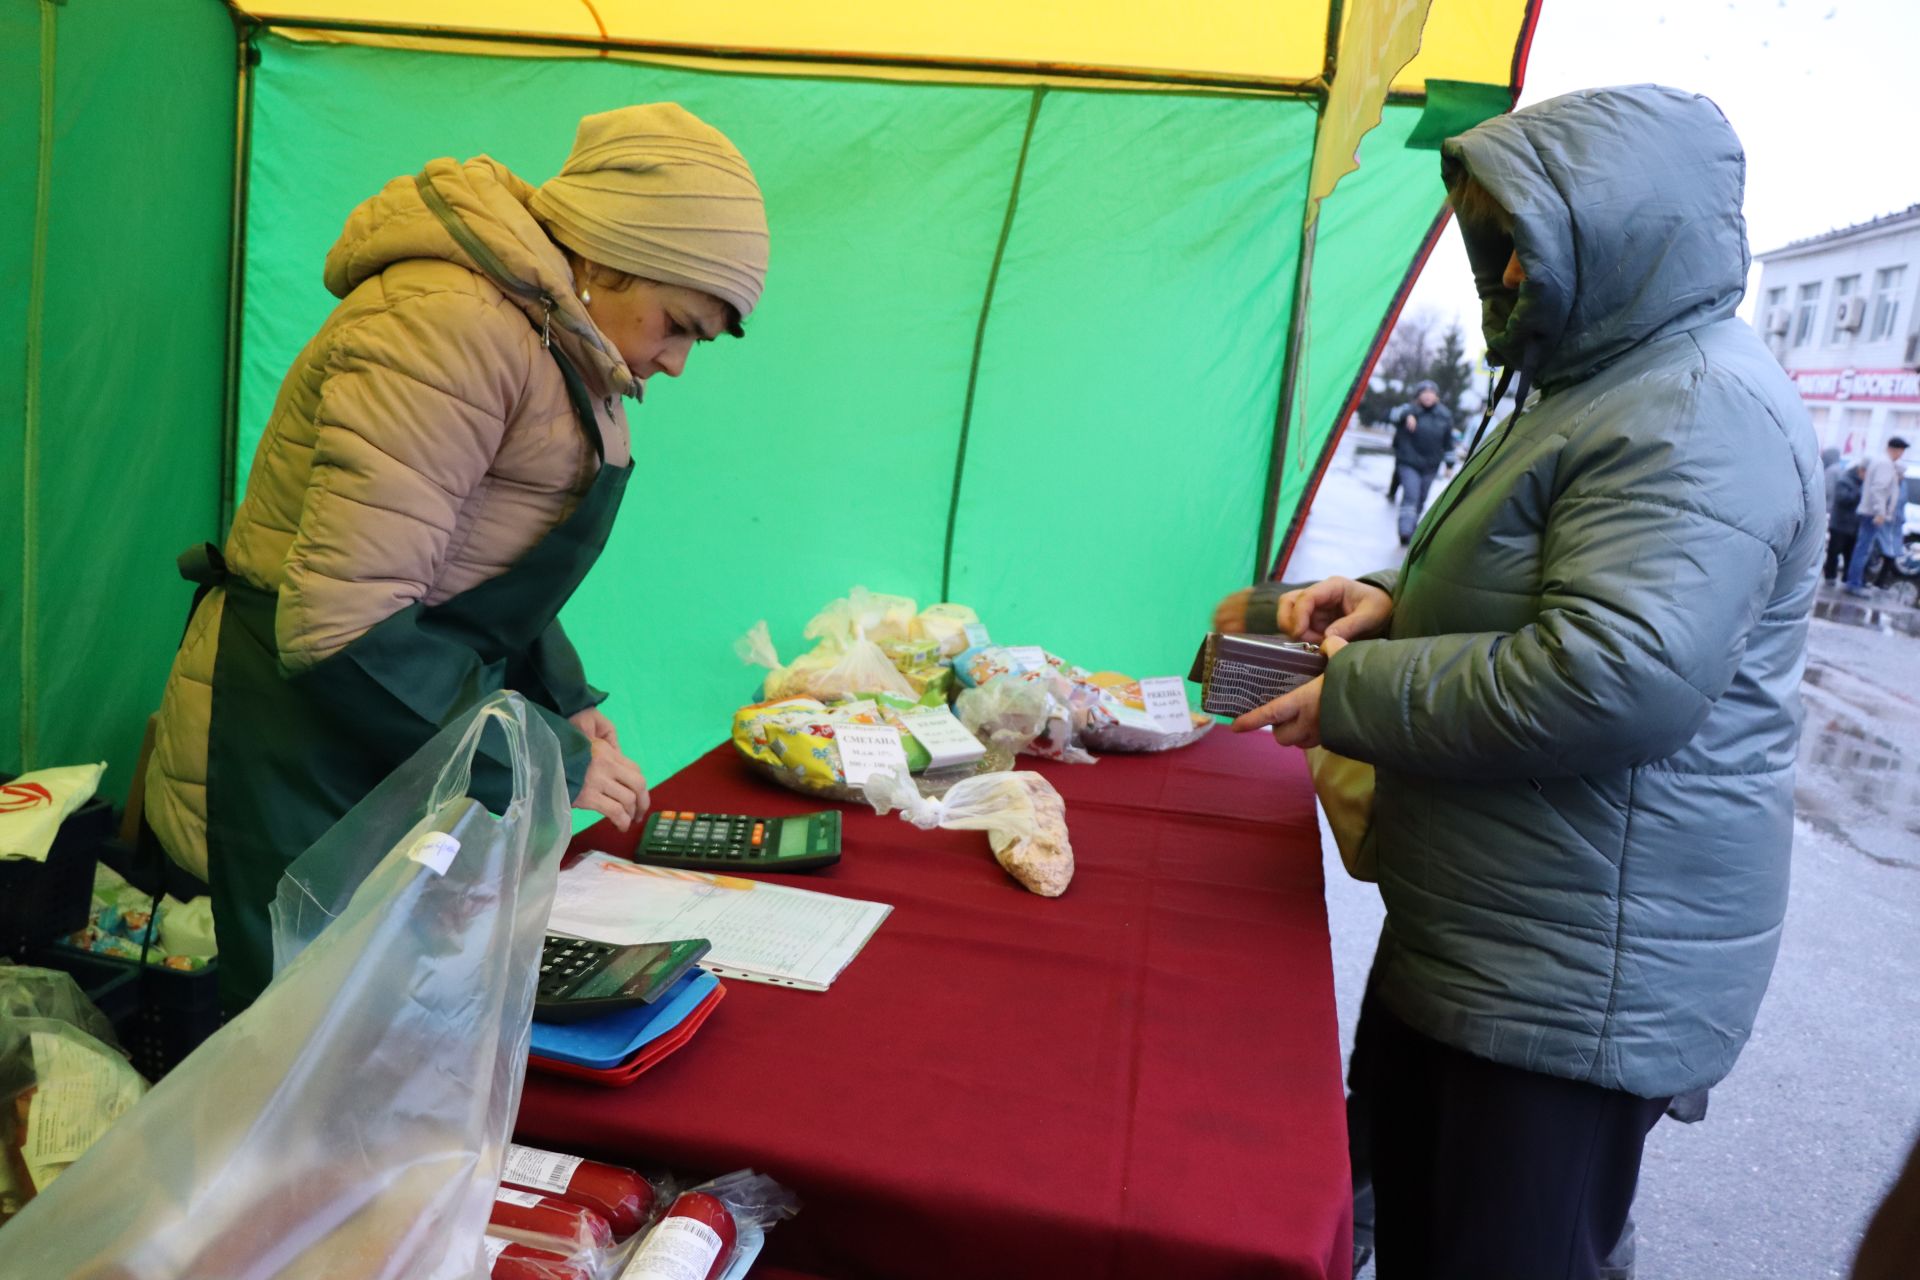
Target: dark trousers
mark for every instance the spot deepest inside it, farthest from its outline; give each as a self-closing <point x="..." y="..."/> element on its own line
<point x="1414" y="484"/>
<point x="1488" y="1172"/>
<point x="1839" y="551"/>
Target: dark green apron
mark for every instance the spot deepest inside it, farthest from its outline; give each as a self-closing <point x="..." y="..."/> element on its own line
<point x="288" y="755"/>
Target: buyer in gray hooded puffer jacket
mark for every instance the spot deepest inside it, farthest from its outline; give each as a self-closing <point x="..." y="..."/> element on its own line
<point x="1585" y="710"/>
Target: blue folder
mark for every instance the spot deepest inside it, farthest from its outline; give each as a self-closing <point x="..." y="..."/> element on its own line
<point x="608" y="1041"/>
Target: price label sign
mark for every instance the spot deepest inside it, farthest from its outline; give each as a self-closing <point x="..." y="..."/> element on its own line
<point x="1166" y="699"/>
<point x="866" y="749"/>
<point x="1030" y="656"/>
<point x="945" y="738"/>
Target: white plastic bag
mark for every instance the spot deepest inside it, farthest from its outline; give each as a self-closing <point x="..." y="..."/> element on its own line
<point x="352" y="1122"/>
<point x="33" y="806"/>
<point x="1023" y="816"/>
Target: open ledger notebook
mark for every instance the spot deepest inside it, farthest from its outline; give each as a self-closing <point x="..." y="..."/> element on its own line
<point x="760" y="932"/>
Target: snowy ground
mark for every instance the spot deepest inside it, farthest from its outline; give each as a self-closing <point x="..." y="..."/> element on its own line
<point x="1802" y="1140"/>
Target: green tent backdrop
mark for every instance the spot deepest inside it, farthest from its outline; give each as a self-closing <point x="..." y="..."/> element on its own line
<point x="1021" y="347"/>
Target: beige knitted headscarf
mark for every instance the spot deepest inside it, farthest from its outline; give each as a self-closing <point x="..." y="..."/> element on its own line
<point x="658" y="193"/>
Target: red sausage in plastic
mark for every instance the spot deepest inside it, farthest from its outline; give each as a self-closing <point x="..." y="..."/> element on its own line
<point x="698" y="1230"/>
<point x="523" y="1262"/>
<point x="548" y="1222"/>
<point x="621" y="1196"/>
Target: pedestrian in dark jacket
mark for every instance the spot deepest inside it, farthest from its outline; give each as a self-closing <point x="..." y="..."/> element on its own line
<point x="1843" y="517"/>
<point x="1580" y="696"/>
<point x="1422" y="440"/>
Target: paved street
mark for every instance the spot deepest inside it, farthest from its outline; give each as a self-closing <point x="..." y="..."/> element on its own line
<point x="1802" y="1139"/>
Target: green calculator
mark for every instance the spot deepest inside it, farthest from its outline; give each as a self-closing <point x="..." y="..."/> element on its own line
<point x="732" y="842"/>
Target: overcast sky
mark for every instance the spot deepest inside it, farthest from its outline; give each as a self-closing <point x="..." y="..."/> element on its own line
<point x="1822" y="93"/>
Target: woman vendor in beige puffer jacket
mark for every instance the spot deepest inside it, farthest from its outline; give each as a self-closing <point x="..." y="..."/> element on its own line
<point x="441" y="468"/>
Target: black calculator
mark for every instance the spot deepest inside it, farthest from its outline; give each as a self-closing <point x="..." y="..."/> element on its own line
<point x="580" y="979"/>
<point x="731" y="842"/>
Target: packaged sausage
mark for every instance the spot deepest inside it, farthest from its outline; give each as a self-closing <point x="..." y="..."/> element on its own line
<point x="709" y="1226"/>
<point x="548" y="1222"/>
<point x="509" y="1261"/>
<point x="627" y="1200"/>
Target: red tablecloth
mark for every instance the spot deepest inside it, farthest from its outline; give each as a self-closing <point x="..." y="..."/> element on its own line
<point x="1138" y="1079"/>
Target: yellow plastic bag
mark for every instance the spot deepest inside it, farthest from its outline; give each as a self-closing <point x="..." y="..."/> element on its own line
<point x="1345" y="788"/>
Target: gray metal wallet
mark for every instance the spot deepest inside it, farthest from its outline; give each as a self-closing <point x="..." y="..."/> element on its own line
<point x="1237" y="673"/>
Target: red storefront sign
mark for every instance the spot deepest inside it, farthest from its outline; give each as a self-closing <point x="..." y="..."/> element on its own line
<point x="1884" y="386"/>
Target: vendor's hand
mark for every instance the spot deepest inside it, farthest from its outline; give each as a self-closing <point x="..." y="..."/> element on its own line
<point x="614" y="787"/>
<point x="1230" y="615"/>
<point x="1335" y="607"/>
<point x="1294" y="717"/>
<point x="594" y="723"/>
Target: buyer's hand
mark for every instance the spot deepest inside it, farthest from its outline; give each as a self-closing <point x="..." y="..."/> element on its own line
<point x="614" y="787"/>
<point x="1294" y="717"/>
<point x="1335" y="607"/>
<point x="1233" y="616"/>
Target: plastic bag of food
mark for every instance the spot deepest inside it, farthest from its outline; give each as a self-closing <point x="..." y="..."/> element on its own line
<point x="1023" y="816"/>
<point x="946" y="625"/>
<point x="1028" y="713"/>
<point x="1118" y="723"/>
<point x="862" y="614"/>
<point x="831" y="670"/>
<point x="353" y="1121"/>
<point x="918" y="662"/>
<point x="793" y="742"/>
<point x="63" y="1081"/>
<point x="711" y="1227"/>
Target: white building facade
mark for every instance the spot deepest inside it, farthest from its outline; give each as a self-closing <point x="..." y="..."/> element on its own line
<point x="1841" y="311"/>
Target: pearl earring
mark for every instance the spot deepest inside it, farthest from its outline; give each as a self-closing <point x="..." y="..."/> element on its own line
<point x="586" y="297"/>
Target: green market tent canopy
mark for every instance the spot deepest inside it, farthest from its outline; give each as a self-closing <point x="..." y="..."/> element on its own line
<point x="1036" y="336"/>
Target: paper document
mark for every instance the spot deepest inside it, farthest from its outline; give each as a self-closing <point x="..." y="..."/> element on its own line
<point x="760" y="932"/>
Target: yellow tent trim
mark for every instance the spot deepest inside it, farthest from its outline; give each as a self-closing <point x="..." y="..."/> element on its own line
<point x="1254" y="45"/>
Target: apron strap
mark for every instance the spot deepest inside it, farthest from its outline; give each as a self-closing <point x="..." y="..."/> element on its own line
<point x="203" y="565"/>
<point x="582" y="402"/>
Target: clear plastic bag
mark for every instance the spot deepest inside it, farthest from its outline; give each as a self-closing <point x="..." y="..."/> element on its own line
<point x="835" y="668"/>
<point x="352" y="1122"/>
<point x="946" y="625"/>
<point x="863" y="615"/>
<point x="63" y="1081"/>
<point x="1023" y="816"/>
<point x="1028" y="713"/>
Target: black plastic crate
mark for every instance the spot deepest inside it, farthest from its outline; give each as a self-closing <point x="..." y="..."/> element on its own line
<point x="41" y="901"/>
<point x="170" y="1013"/>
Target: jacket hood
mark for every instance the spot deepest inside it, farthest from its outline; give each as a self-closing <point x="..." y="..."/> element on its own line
<point x="1626" y="217"/>
<point x="489" y="204"/>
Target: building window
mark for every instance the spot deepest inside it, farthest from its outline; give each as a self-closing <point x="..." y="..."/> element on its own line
<point x="1803" y="319"/>
<point x="1776" y="297"/>
<point x="1886" y="301"/>
<point x="1843" y="288"/>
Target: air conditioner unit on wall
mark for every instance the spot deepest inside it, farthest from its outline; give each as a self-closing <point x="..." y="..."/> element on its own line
<point x="1852" y="312"/>
<point x="1778" y="319"/>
